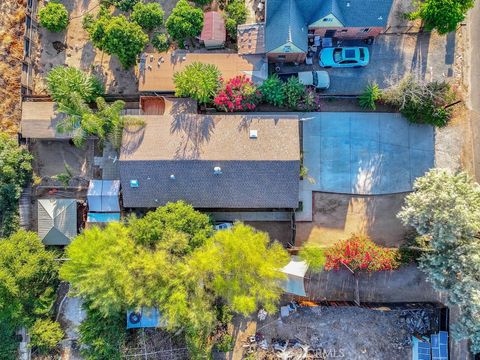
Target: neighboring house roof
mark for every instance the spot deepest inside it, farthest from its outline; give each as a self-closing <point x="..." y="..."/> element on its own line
<point x="173" y="158"/>
<point x="57" y="220"/>
<point x="213" y="27"/>
<point x="39" y="121"/>
<point x="251" y="38"/>
<point x="288" y="20"/>
<point x="157" y="73"/>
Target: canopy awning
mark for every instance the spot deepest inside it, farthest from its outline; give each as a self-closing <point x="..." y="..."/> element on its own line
<point x="103" y="195"/>
<point x="295" y="271"/>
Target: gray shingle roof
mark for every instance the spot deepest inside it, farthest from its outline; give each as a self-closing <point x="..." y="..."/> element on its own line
<point x="256" y="173"/>
<point x="57" y="220"/>
<point x="286" y="19"/>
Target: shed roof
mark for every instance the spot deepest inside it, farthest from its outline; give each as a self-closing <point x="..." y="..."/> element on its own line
<point x="213" y="27"/>
<point x="57" y="220"/>
<point x="173" y="158"/>
<point x="157" y="74"/>
<point x="40" y="119"/>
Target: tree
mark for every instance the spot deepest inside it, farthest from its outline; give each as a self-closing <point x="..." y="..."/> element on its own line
<point x="444" y="206"/>
<point x="15" y="173"/>
<point x="28" y="276"/>
<point x="273" y="91"/>
<point x="63" y="81"/>
<point x="54" y="17"/>
<point x="421" y="102"/>
<point x="46" y="334"/>
<point x="199" y="81"/>
<point x="157" y="226"/>
<point x="125" y="5"/>
<point x="237" y="94"/>
<point x="237" y="10"/>
<point x="442" y="15"/>
<point x="231" y="27"/>
<point x="294" y="92"/>
<point x="242" y="268"/>
<point x="314" y="256"/>
<point x="184" y="22"/>
<point x="360" y="253"/>
<point x="161" y="42"/>
<point x="148" y="16"/>
<point x="124" y="39"/>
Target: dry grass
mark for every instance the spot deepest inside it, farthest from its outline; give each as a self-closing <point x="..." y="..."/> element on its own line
<point x="11" y="54"/>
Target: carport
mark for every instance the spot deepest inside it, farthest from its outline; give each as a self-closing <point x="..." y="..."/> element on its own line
<point x="365" y="153"/>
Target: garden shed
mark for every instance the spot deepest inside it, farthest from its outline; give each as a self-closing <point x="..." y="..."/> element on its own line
<point x="57" y="220"/>
<point x="103" y="195"/>
<point x="213" y="33"/>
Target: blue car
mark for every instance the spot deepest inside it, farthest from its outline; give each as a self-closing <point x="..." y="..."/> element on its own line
<point x="344" y="57"/>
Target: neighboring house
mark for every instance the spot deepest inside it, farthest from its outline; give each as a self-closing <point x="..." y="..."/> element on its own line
<point x="39" y="121"/>
<point x="156" y="70"/>
<point x="214" y="162"/>
<point x="57" y="221"/>
<point x="289" y="23"/>
<point x="213" y="33"/>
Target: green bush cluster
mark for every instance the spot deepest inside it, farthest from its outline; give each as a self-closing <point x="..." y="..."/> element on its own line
<point x="148" y="16"/>
<point x="199" y="81"/>
<point x="184" y="22"/>
<point x="53" y="17"/>
<point x="370" y="96"/>
<point x="161" y="42"/>
<point x="236" y="14"/>
<point x="45" y="335"/>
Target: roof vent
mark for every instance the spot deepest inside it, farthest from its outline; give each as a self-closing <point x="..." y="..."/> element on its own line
<point x="253" y="134"/>
<point x="134" y="183"/>
<point x="172" y="177"/>
<point x="348" y="3"/>
<point x="217" y="170"/>
<point x="380" y="18"/>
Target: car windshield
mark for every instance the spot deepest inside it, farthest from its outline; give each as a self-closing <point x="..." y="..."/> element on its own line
<point x="337" y="55"/>
<point x="362" y="54"/>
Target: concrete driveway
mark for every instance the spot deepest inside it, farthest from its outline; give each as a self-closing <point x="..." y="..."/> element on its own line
<point x="365" y="153"/>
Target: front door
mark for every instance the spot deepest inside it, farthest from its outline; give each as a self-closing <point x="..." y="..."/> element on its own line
<point x="330" y="33"/>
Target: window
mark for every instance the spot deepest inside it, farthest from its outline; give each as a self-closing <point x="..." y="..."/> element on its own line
<point x="327" y="19"/>
<point x="366" y="30"/>
<point x="281" y="57"/>
<point x="27" y="47"/>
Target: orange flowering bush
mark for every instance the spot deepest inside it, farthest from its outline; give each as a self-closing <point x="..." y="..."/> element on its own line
<point x="360" y="253"/>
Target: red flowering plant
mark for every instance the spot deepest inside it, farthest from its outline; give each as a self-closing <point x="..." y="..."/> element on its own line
<point x="360" y="253"/>
<point x="237" y="94"/>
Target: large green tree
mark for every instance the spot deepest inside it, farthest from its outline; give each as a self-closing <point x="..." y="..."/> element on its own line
<point x="445" y="207"/>
<point x="148" y="16"/>
<point x="15" y="173"/>
<point x="184" y="22"/>
<point x="53" y="16"/>
<point x="442" y="15"/>
<point x="199" y="81"/>
<point x="242" y="267"/>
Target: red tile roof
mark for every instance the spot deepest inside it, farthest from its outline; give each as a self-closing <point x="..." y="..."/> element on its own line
<point x="213" y="27"/>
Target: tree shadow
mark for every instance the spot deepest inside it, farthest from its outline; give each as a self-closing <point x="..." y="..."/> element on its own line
<point x="420" y="55"/>
<point x="193" y="131"/>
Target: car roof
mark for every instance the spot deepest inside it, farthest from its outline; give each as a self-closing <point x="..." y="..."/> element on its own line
<point x="350" y="53"/>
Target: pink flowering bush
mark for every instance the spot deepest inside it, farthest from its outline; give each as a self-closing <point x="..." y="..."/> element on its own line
<point x="237" y="94"/>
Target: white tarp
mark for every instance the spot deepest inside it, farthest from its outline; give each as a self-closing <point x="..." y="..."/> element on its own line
<point x="295" y="271"/>
<point x="103" y="195"/>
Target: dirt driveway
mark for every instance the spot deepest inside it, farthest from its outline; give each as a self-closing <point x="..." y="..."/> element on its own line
<point x="337" y="216"/>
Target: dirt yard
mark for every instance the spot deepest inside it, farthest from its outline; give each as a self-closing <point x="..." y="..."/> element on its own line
<point x="337" y="216"/>
<point x="338" y="332"/>
<point x="11" y="55"/>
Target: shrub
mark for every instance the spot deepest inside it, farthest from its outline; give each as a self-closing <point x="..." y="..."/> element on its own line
<point x="421" y="102"/>
<point x="199" y="81"/>
<point x="46" y="334"/>
<point x="225" y="343"/>
<point x="314" y="256"/>
<point x="238" y="94"/>
<point x="202" y="2"/>
<point x="370" y="96"/>
<point x="53" y="17"/>
<point x="237" y="10"/>
<point x="124" y="5"/>
<point x="231" y="27"/>
<point x="310" y="100"/>
<point x="160" y="42"/>
<point x="184" y="22"/>
<point x="294" y="92"/>
<point x="148" y="16"/>
<point x="272" y="91"/>
<point x="360" y="253"/>
<point x="63" y="81"/>
<point x="124" y="39"/>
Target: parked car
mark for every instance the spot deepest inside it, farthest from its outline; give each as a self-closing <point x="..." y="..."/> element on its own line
<point x="344" y="57"/>
<point x="319" y="79"/>
<point x="223" y="226"/>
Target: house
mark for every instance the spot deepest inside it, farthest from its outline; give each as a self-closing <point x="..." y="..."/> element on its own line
<point x="213" y="33"/>
<point x="290" y="23"/>
<point x="156" y="70"/>
<point x="57" y="221"/>
<point x="214" y="162"/>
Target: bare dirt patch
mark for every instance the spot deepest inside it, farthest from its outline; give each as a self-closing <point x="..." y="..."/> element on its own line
<point x="337" y="216"/>
<point x="11" y="56"/>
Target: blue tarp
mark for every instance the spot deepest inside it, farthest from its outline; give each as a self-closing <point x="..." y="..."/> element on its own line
<point x="435" y="349"/>
<point x="102" y="217"/>
<point x="146" y="317"/>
